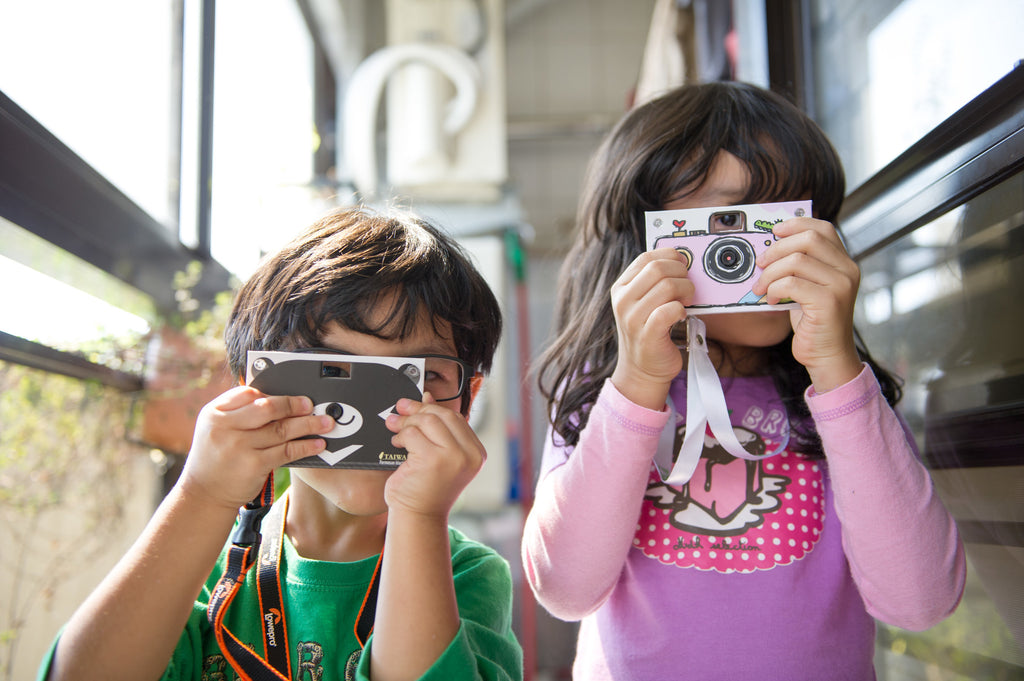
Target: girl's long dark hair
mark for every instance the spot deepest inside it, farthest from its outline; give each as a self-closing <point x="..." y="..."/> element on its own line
<point x="661" y="151"/>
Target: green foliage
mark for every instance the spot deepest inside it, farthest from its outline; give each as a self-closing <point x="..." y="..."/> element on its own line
<point x="62" y="450"/>
<point x="205" y="325"/>
<point x="66" y="461"/>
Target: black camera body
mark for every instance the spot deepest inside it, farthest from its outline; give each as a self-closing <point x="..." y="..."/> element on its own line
<point x="357" y="392"/>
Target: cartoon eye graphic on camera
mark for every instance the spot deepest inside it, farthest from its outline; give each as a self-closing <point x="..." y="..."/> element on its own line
<point x="721" y="246"/>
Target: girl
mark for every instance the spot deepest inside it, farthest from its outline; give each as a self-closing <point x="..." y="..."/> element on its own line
<point x="770" y="569"/>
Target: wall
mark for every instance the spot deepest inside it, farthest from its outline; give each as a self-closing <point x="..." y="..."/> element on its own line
<point x="571" y="67"/>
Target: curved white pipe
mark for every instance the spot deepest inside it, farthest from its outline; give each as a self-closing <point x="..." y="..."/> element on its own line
<point x="362" y="98"/>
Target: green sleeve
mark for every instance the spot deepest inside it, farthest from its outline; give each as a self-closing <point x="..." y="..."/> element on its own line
<point x="44" y="666"/>
<point x="181" y="664"/>
<point x="485" y="646"/>
<point x="188" y="653"/>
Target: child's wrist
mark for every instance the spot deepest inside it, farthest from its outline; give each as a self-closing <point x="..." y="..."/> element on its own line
<point x="645" y="393"/>
<point x="836" y="374"/>
<point x="414" y="520"/>
<point x="196" y="494"/>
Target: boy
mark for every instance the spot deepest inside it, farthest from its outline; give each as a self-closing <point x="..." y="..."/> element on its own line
<point x="360" y="283"/>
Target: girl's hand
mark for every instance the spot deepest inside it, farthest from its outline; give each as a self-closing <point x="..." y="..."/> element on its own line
<point x="241" y="436"/>
<point x="444" y="456"/>
<point x="648" y="298"/>
<point x="810" y="265"/>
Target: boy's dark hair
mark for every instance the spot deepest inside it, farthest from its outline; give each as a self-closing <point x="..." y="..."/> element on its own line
<point x="346" y="264"/>
<point x="659" y="152"/>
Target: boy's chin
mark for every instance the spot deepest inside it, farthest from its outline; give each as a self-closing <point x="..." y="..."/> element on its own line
<point x="356" y="492"/>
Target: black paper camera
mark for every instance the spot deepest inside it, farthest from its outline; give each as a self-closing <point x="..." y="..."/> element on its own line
<point x="357" y="392"/>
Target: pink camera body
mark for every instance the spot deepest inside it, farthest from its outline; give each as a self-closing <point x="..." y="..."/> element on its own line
<point x="722" y="267"/>
<point x="721" y="246"/>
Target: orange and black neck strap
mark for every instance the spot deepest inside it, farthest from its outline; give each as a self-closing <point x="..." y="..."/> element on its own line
<point x="250" y="543"/>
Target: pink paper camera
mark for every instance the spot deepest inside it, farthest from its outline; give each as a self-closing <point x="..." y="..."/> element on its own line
<point x="721" y="246"/>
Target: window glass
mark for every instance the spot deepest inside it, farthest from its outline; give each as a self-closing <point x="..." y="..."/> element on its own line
<point x="888" y="71"/>
<point x="98" y="75"/>
<point x="264" y="135"/>
<point x="961" y="276"/>
<point x="66" y="303"/>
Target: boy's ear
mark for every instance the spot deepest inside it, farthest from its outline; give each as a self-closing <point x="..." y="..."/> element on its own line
<point x="475" y="383"/>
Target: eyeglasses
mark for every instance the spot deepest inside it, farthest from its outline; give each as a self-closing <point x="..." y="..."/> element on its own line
<point x="444" y="377"/>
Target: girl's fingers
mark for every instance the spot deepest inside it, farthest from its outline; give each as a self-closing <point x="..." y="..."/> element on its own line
<point x="641" y="262"/>
<point x="663" y="317"/>
<point x="806" y="235"/>
<point x="797" y="225"/>
<point x="660" y="281"/>
<point x="807" y="293"/>
<point x="841" y="281"/>
<point x="810" y="251"/>
<point x="649" y="290"/>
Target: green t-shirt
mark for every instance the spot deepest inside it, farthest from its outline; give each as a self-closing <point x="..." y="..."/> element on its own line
<point x="322" y="600"/>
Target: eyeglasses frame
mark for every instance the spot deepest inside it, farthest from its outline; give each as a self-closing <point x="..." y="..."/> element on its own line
<point x="468" y="370"/>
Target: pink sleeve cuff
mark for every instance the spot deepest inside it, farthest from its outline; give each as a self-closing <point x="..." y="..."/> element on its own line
<point x="845" y="399"/>
<point x="629" y="413"/>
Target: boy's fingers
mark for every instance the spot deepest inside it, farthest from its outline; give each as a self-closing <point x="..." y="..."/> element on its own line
<point x="266" y="409"/>
<point x="425" y="435"/>
<point x="439" y="426"/>
<point x="235" y="398"/>
<point x="287" y="429"/>
<point x="300" y="449"/>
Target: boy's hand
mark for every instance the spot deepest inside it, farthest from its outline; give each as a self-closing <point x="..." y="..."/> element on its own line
<point x="241" y="436"/>
<point x="648" y="298"/>
<point x="810" y="265"/>
<point x="444" y="456"/>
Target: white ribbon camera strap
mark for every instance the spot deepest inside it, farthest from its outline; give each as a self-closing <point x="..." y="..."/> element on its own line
<point x="705" y="406"/>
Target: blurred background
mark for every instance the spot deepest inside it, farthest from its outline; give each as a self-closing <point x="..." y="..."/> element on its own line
<point x="151" y="152"/>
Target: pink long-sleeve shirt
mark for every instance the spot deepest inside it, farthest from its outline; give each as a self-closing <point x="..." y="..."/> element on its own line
<point x="771" y="570"/>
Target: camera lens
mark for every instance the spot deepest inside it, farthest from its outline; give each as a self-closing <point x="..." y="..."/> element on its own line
<point x="729" y="260"/>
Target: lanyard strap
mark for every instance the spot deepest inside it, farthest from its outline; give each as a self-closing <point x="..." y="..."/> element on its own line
<point x="245" y="544"/>
<point x="268" y="588"/>
<point x="247" y="541"/>
<point x="705" y="408"/>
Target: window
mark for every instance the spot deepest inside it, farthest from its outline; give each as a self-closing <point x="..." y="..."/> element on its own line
<point x="99" y="76"/>
<point x="888" y="71"/>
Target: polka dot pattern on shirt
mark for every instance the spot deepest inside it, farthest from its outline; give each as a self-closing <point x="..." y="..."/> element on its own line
<point x="779" y="523"/>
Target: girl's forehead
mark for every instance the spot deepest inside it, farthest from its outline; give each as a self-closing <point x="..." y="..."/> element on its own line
<point x="726" y="184"/>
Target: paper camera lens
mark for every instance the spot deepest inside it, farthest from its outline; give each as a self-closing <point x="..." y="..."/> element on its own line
<point x="729" y="260"/>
